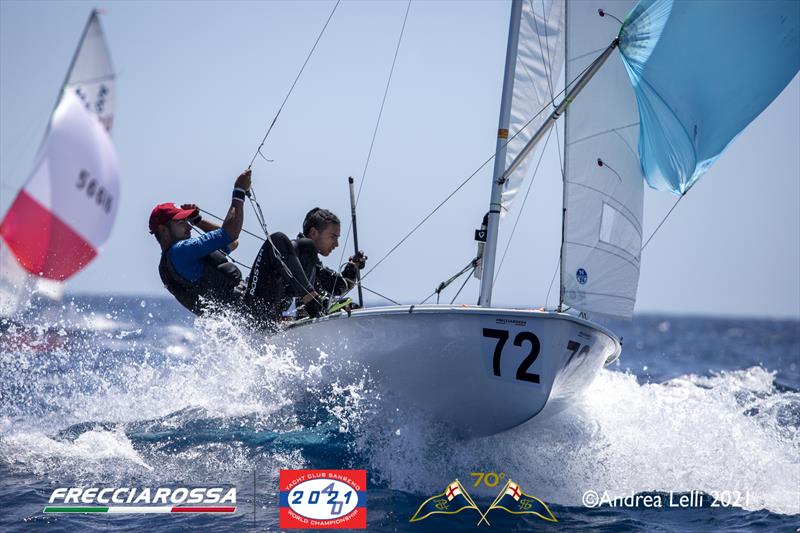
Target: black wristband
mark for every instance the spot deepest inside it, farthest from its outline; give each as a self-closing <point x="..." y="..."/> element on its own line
<point x="195" y="220"/>
<point x="238" y="194"/>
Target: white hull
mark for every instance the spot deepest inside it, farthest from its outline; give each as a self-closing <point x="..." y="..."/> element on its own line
<point x="446" y="359"/>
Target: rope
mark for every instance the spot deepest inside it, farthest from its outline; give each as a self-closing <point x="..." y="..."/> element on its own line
<point x="377" y="124"/>
<point x="226" y="252"/>
<point x="490" y="158"/>
<point x="443" y="285"/>
<point x="550" y="288"/>
<point x="274" y="120"/>
<point x="522" y="207"/>
<point x="259" y="237"/>
<point x="381" y="295"/>
<point x="665" y="218"/>
<point x="275" y="250"/>
<point x="462" y="286"/>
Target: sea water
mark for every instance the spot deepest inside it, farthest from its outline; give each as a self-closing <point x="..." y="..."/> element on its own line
<point x="695" y="428"/>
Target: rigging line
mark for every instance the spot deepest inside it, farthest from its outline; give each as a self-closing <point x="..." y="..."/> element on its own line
<point x="664" y="219"/>
<point x="377" y="124"/>
<point x="547" y="64"/>
<point x="259" y="237"/>
<point x="560" y="166"/>
<point x="226" y="251"/>
<point x="383" y="102"/>
<point x="275" y="250"/>
<point x="522" y="207"/>
<point x="381" y="295"/>
<point x="609" y="130"/>
<point x="443" y="285"/>
<point x="491" y="157"/>
<point x="274" y="120"/>
<point x="552" y="281"/>
<point x="469" y="277"/>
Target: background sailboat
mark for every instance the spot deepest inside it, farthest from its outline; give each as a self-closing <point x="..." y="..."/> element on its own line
<point x="64" y="213"/>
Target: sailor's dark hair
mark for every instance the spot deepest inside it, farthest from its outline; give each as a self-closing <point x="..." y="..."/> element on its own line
<point x="318" y="218"/>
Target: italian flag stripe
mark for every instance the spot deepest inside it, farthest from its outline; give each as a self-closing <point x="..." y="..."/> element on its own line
<point x="139" y="510"/>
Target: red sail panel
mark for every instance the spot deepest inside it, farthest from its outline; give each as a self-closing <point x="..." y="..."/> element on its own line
<point x="41" y="242"/>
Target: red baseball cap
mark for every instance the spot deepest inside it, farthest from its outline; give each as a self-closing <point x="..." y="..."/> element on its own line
<point x="163" y="213"/>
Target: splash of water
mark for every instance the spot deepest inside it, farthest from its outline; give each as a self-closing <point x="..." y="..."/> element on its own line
<point x="734" y="431"/>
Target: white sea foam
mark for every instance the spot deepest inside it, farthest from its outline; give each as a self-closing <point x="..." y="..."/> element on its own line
<point x="94" y="450"/>
<point x="730" y="432"/>
<point x="733" y="431"/>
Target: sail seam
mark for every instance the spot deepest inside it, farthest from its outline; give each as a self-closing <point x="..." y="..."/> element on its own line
<point x="627" y="260"/>
<point x="608" y="296"/>
<point x="92" y="80"/>
<point x="612" y="130"/>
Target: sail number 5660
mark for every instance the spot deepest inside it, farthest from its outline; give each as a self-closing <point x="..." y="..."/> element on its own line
<point x="94" y="190"/>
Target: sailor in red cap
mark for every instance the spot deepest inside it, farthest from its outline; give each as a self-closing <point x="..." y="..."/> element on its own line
<point x="195" y="269"/>
<point x="197" y="272"/>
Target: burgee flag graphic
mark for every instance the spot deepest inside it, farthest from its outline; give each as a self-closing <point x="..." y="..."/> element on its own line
<point x="453" y="500"/>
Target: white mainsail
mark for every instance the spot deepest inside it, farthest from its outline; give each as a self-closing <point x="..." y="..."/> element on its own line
<point x="64" y="212"/>
<point x="539" y="61"/>
<point x="603" y="189"/>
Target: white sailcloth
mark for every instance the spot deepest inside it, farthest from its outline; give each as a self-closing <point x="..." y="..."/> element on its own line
<point x="64" y="213"/>
<point x="91" y="77"/>
<point x="603" y="190"/>
<point x="540" y="56"/>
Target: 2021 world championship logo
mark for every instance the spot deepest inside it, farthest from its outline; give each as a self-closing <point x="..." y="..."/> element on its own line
<point x="323" y="499"/>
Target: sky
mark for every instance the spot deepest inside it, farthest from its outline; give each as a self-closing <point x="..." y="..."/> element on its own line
<point x="199" y="83"/>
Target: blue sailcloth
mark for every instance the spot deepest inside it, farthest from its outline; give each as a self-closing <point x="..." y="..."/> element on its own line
<point x="702" y="71"/>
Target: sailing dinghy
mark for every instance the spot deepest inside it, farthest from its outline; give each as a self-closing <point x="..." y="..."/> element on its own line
<point x="62" y="216"/>
<point x="636" y="109"/>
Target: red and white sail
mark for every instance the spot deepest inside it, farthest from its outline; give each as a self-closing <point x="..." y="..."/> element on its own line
<point x="63" y="215"/>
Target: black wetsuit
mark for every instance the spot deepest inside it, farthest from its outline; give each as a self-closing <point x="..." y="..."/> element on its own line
<point x="291" y="273"/>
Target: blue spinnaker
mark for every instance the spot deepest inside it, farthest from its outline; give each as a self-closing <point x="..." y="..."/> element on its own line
<point x="702" y="71"/>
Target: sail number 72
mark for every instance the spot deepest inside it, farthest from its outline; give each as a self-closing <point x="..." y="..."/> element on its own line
<point x="502" y="336"/>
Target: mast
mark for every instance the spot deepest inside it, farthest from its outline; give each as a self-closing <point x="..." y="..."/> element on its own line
<point x="501" y="173"/>
<point x="490" y="249"/>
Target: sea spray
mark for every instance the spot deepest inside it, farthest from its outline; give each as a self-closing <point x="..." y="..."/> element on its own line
<point x="734" y="431"/>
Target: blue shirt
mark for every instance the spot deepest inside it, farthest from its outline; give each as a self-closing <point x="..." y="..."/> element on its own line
<point x="187" y="255"/>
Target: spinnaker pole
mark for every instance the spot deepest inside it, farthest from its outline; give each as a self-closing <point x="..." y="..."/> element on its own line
<point x="559" y="110"/>
<point x="490" y="249"/>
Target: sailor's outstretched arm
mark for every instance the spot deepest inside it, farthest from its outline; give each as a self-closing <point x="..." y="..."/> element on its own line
<point x="235" y="217"/>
